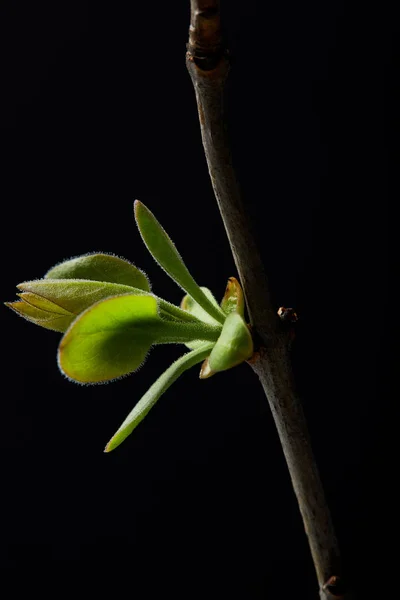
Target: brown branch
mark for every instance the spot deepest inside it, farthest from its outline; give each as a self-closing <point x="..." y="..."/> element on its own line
<point x="208" y="67"/>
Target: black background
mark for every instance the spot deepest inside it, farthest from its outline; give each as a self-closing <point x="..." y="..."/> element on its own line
<point x="97" y="109"/>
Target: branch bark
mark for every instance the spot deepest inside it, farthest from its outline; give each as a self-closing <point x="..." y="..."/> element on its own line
<point x="208" y="65"/>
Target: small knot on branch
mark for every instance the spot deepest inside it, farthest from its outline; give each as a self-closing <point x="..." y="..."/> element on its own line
<point x="334" y="588"/>
<point x="287" y="315"/>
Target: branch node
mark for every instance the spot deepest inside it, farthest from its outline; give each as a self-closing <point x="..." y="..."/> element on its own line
<point x="205" y="40"/>
<point x="287" y="315"/>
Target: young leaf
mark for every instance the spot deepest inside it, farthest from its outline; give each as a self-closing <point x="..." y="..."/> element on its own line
<point x="233" y="300"/>
<point x="156" y="390"/>
<point x="75" y="295"/>
<point x="72" y="296"/>
<point x="56" y="320"/>
<point x="44" y="304"/>
<point x="234" y="346"/>
<point x="164" y="252"/>
<point x="112" y="338"/>
<point x="101" y="267"/>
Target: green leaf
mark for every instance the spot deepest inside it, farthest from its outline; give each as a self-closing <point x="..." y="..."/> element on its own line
<point x="75" y="295"/>
<point x="164" y="252"/>
<point x="156" y="390"/>
<point x="234" y="346"/>
<point x="233" y="300"/>
<point x="72" y="296"/>
<point x="101" y="267"/>
<point x="112" y="338"/>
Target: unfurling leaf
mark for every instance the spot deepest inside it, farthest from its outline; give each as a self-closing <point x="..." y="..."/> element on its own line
<point x="234" y="346"/>
<point x="156" y="390"/>
<point x="165" y="253"/>
<point x="101" y="267"/>
<point x="55" y="303"/>
<point x="42" y="312"/>
<point x="233" y="300"/>
<point x="75" y="295"/>
<point x="112" y="338"/>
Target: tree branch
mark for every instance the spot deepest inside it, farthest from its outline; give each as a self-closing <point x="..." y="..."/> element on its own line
<point x="208" y="66"/>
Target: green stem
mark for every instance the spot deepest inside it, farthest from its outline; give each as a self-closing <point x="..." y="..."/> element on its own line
<point x="181" y="333"/>
<point x="169" y="310"/>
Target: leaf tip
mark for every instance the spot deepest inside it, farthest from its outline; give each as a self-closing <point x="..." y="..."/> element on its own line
<point x="112" y="444"/>
<point x="137" y="205"/>
<point x="15" y="305"/>
<point x="206" y="371"/>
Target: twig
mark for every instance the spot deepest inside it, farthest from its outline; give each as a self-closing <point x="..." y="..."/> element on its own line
<point x="208" y="66"/>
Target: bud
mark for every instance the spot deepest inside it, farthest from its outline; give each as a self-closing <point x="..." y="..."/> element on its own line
<point x="233" y="300"/>
<point x="234" y="346"/>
